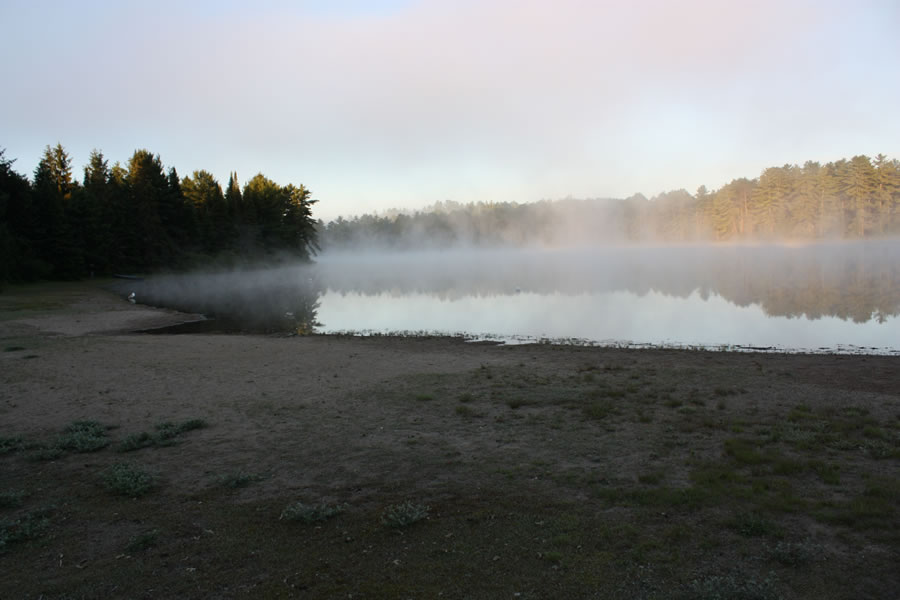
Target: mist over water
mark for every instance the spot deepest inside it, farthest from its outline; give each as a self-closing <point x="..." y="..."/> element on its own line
<point x="838" y="297"/>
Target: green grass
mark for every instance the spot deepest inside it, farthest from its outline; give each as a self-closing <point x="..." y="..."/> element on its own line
<point x="126" y="480"/>
<point x="466" y="411"/>
<point x="10" y="444"/>
<point x="11" y="498"/>
<point x="312" y="513"/>
<point x="83" y="436"/>
<point x="142" y="541"/>
<point x="164" y="434"/>
<point x="32" y="525"/>
<point x="403" y="515"/>
<point x="599" y="410"/>
<point x="751" y="524"/>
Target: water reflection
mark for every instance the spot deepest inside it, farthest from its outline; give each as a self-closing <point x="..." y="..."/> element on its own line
<point x="810" y="297"/>
<point x="278" y="299"/>
<point x="849" y="281"/>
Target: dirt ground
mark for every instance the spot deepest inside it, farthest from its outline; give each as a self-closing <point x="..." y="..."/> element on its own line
<point x="548" y="471"/>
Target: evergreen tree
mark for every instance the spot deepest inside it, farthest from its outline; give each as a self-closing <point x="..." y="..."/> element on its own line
<point x="17" y="257"/>
<point x="56" y="240"/>
<point x="148" y="189"/>
<point x="214" y="224"/>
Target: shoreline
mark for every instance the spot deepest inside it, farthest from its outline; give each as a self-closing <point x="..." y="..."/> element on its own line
<point x="578" y="468"/>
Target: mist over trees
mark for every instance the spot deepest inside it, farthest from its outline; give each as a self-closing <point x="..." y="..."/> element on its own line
<point x="141" y="217"/>
<point x="847" y="199"/>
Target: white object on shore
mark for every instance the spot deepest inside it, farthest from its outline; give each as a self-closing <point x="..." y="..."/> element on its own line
<point x="132" y="298"/>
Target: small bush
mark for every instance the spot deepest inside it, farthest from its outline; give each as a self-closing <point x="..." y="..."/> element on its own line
<point x="311" y="513"/>
<point x="29" y="527"/>
<point x="125" y="480"/>
<point x="83" y="436"/>
<point x="404" y="514"/>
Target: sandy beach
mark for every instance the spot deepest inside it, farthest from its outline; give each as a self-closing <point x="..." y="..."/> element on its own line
<point x="531" y="460"/>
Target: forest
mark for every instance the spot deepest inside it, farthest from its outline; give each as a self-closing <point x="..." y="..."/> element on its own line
<point x="847" y="199"/>
<point x="140" y="217"/>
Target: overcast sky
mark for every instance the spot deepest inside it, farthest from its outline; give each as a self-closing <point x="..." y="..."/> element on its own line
<point x="379" y="104"/>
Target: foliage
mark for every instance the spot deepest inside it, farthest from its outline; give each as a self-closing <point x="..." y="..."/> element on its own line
<point x="11" y="498"/>
<point x="10" y="444"/>
<point x="125" y="480"/>
<point x="858" y="198"/>
<point x="165" y="435"/>
<point x="312" y="513"/>
<point x="83" y="436"/>
<point x="31" y="526"/>
<point x="404" y="514"/>
<point x="139" y="217"/>
<point x="142" y="541"/>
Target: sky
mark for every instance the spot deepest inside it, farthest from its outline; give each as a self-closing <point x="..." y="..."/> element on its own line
<point x="386" y="104"/>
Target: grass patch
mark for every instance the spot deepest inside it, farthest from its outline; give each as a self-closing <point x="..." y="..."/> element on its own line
<point x="83" y="436"/>
<point x="404" y="514"/>
<point x="11" y="498"/>
<point x="750" y="524"/>
<point x="730" y="587"/>
<point x="466" y="411"/>
<point x="794" y="554"/>
<point x="10" y="444"/>
<point x="13" y="348"/>
<point x="311" y="513"/>
<point x="29" y="527"/>
<point x="827" y="472"/>
<point x="599" y="410"/>
<point x="424" y="397"/>
<point x="125" y="480"/>
<point x="165" y="434"/>
<point x="142" y="541"/>
<point x="744" y="452"/>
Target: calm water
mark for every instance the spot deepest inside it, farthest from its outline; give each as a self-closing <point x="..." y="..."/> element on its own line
<point x="843" y="297"/>
<point x="825" y="297"/>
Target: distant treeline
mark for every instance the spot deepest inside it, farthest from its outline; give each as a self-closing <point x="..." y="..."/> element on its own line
<point x="140" y="217"/>
<point x="848" y="199"/>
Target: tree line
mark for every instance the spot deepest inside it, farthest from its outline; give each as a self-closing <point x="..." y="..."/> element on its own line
<point x="141" y="217"/>
<point x="846" y="199"/>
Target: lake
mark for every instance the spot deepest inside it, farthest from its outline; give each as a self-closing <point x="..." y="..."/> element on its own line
<point x="839" y="297"/>
<point x="823" y="297"/>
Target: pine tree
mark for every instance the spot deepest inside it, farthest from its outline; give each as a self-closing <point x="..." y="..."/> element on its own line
<point x="57" y="242"/>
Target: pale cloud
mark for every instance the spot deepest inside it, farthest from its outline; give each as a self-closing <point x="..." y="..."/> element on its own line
<point x="496" y="99"/>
